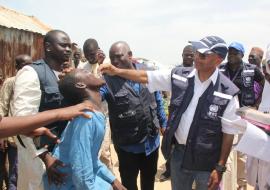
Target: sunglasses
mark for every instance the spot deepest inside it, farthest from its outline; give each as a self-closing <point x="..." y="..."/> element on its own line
<point x="202" y="55"/>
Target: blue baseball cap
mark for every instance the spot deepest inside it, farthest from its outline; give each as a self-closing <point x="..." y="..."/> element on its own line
<point x="211" y="44"/>
<point x="238" y="47"/>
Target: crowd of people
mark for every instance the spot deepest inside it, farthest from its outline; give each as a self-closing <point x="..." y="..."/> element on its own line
<point x="121" y="101"/>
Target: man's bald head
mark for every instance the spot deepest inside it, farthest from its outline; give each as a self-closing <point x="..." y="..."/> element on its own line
<point x="57" y="46"/>
<point x="188" y="56"/>
<point x="22" y="60"/>
<point x="75" y="85"/>
<point x="257" y="50"/>
<point x="255" y="56"/>
<point x="121" y="44"/>
<point x="52" y="36"/>
<point x="90" y="44"/>
<point x="121" y="55"/>
<point x="188" y="48"/>
<point x="90" y="48"/>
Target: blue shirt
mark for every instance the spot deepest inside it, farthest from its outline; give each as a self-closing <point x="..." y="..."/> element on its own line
<point x="151" y="143"/>
<point x="78" y="150"/>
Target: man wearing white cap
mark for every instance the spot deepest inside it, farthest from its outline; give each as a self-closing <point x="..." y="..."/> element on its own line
<point x="197" y="140"/>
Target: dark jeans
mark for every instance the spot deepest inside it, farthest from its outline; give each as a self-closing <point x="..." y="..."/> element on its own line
<point x="183" y="178"/>
<point x="11" y="152"/>
<point x="168" y="167"/>
<point x="3" y="170"/>
<point x="130" y="164"/>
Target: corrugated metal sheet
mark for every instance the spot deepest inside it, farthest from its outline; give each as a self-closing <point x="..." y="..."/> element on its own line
<point x="13" y="19"/>
<point x="19" y="34"/>
<point x="14" y="42"/>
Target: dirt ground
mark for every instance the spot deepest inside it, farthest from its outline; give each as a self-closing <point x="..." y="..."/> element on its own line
<point x="161" y="167"/>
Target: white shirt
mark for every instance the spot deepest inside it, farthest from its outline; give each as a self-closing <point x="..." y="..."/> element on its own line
<point x="26" y="101"/>
<point x="254" y="166"/>
<point x="92" y="68"/>
<point x="160" y="80"/>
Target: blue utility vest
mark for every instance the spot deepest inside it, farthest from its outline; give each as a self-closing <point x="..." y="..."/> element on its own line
<point x="133" y="115"/>
<point x="203" y="146"/>
<point x="244" y="80"/>
<point x="50" y="99"/>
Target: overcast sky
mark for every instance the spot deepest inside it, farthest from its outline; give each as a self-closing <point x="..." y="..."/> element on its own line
<point x="154" y="29"/>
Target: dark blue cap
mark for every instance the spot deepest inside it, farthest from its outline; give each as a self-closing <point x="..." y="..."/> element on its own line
<point x="211" y="44"/>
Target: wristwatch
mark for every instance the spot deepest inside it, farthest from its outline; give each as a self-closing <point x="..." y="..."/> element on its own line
<point x="220" y="168"/>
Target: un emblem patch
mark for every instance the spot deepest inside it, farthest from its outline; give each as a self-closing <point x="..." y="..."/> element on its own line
<point x="213" y="111"/>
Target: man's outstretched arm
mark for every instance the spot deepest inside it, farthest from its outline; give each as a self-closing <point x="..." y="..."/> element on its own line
<point x="130" y="74"/>
<point x="10" y="126"/>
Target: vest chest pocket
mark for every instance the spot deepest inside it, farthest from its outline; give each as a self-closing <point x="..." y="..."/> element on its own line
<point x="248" y="78"/>
<point x="52" y="94"/>
<point x="177" y="99"/>
<point x="121" y="101"/>
<point x="121" y="98"/>
<point x="127" y="123"/>
<point x="214" y="108"/>
<point x="129" y="115"/>
<point x="179" y="88"/>
<point x="153" y="112"/>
